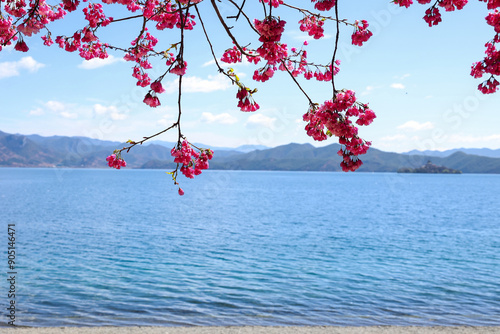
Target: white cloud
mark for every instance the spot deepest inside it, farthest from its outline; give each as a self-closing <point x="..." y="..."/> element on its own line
<point x="37" y="112"/>
<point x="70" y="115"/>
<point x="208" y="63"/>
<point x="193" y="84"/>
<point x="13" y="68"/>
<point x="55" y="105"/>
<point x="398" y="86"/>
<point x="224" y="118"/>
<point x="98" y="62"/>
<point x="483" y="141"/>
<point x="416" y="126"/>
<point x="368" y="90"/>
<point x="166" y="122"/>
<point x="397" y="137"/>
<point x="260" y="120"/>
<point x="112" y="111"/>
<point x="402" y="77"/>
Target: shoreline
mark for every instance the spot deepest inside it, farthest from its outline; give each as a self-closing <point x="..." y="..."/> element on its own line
<point x="257" y="330"/>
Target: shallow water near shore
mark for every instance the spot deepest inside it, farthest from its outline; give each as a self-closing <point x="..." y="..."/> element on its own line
<point x="107" y="247"/>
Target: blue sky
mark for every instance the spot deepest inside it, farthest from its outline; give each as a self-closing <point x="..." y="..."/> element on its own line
<point x="415" y="78"/>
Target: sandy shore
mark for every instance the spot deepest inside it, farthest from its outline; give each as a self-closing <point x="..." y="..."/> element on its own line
<point x="252" y="330"/>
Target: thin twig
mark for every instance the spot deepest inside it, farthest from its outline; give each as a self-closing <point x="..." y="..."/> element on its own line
<point x="305" y="11"/>
<point x="335" y="50"/>
<point x="221" y="70"/>
<point x="148" y="138"/>
<point x="244" y="14"/>
<point x="297" y="83"/>
<point x="228" y="31"/>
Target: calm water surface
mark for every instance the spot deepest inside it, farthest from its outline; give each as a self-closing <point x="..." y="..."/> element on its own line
<point x="106" y="247"/>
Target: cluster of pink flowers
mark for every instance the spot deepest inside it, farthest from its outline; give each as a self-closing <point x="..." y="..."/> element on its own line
<point x="451" y="5"/>
<point x="361" y="33"/>
<point x="271" y="50"/>
<point x="93" y="50"/>
<point x="491" y="63"/>
<point x="265" y="73"/>
<point x="324" y="5"/>
<point x="493" y="19"/>
<point x="115" y="161"/>
<point x="151" y="99"/>
<point x="329" y="72"/>
<point x="95" y="15"/>
<point x="179" y="68"/>
<point x="39" y="15"/>
<point x="232" y="56"/>
<point x="192" y="162"/>
<point x="245" y="100"/>
<point x="313" y="26"/>
<point x="270" y="29"/>
<point x="489" y="86"/>
<point x="70" y="44"/>
<point x="333" y="119"/>
<point x="139" y="53"/>
<point x="21" y="46"/>
<point x="492" y="4"/>
<point x="432" y="16"/>
<point x="7" y="31"/>
<point x="408" y="3"/>
<point x="274" y="3"/>
<point x="15" y="8"/>
<point x="167" y="18"/>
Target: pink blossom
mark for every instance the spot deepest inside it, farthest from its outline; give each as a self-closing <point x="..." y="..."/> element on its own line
<point x="157" y="87"/>
<point x="332" y="118"/>
<point x="361" y="33"/>
<point x="324" y="5"/>
<point x="404" y="3"/>
<point x="115" y="161"/>
<point x="246" y="102"/>
<point x="70" y="5"/>
<point x="95" y="15"/>
<point x="451" y="5"/>
<point x="270" y="29"/>
<point x="179" y="69"/>
<point x="180" y="191"/>
<point x="432" y="16"/>
<point x="192" y="162"/>
<point x="264" y="73"/>
<point x="313" y="26"/>
<point x="21" y="46"/>
<point x="47" y="40"/>
<point x="231" y="56"/>
<point x="274" y="3"/>
<point x="489" y="86"/>
<point x="151" y="100"/>
<point x="492" y="4"/>
<point x="493" y="19"/>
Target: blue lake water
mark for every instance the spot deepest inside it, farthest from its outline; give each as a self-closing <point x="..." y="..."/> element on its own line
<point x="107" y="247"/>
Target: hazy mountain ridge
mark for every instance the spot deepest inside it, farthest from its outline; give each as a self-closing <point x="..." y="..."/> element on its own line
<point x="37" y="151"/>
<point x="485" y="152"/>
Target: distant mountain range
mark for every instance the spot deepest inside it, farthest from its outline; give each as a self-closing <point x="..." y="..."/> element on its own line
<point x="36" y="151"/>
<point x="485" y="152"/>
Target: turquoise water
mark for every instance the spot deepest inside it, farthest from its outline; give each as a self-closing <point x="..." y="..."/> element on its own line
<point x="107" y="247"/>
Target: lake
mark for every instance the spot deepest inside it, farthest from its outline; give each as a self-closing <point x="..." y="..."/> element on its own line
<point x="121" y="247"/>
